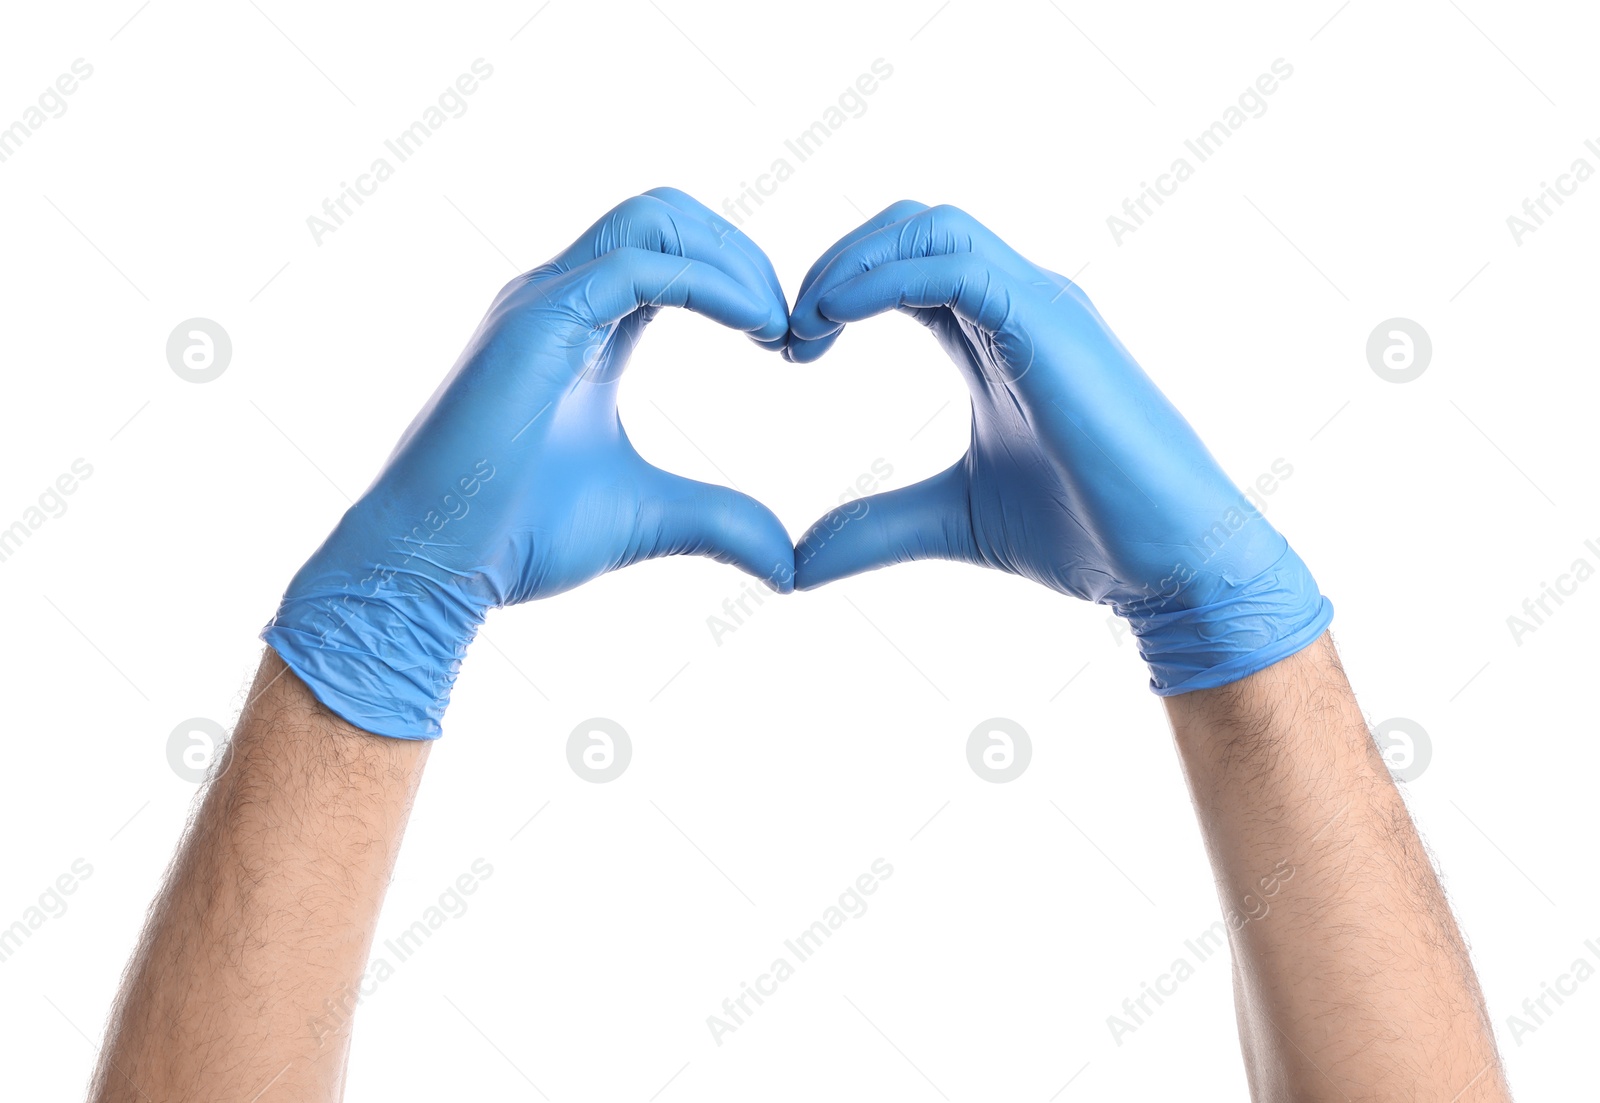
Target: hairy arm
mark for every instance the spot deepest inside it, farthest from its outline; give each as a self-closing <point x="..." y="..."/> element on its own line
<point x="1350" y="977"/>
<point x="267" y="915"/>
<point x="245" y="976"/>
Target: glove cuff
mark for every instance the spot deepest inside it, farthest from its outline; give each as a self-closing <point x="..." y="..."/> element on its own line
<point x="1251" y="625"/>
<point x="381" y="670"/>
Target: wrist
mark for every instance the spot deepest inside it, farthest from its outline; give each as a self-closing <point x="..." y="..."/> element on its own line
<point x="385" y="663"/>
<point x="1245" y="626"/>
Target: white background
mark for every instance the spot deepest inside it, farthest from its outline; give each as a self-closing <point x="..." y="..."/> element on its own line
<point x="770" y="771"/>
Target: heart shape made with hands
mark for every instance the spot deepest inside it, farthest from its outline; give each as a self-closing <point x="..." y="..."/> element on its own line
<point x="517" y="480"/>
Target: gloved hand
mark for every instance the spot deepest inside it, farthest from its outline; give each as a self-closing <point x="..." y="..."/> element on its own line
<point x="1080" y="474"/>
<point x="517" y="481"/>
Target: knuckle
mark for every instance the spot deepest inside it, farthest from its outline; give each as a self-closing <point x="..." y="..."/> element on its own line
<point x="644" y="220"/>
<point x="638" y="207"/>
<point x="952" y="215"/>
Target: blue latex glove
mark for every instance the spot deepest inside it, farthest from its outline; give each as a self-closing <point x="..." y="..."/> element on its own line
<point x="517" y="481"/>
<point x="1080" y="474"/>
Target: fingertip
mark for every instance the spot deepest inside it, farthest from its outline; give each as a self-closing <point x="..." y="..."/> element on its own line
<point x="808" y="325"/>
<point x="800" y="351"/>
<point x="774" y="328"/>
<point x="805" y="581"/>
<point x="757" y="320"/>
<point x="828" y="305"/>
<point x="811" y="329"/>
<point x="779" y="577"/>
<point x="812" y="572"/>
<point x="782" y="580"/>
<point x="754" y="540"/>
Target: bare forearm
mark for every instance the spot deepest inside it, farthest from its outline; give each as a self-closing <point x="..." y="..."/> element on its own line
<point x="1351" y="978"/>
<point x="268" y="910"/>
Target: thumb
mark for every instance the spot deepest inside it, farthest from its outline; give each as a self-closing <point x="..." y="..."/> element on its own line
<point x="686" y="517"/>
<point x="927" y="520"/>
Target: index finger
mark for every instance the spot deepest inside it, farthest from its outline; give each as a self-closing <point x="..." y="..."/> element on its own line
<point x="820" y="333"/>
<point x="727" y="231"/>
